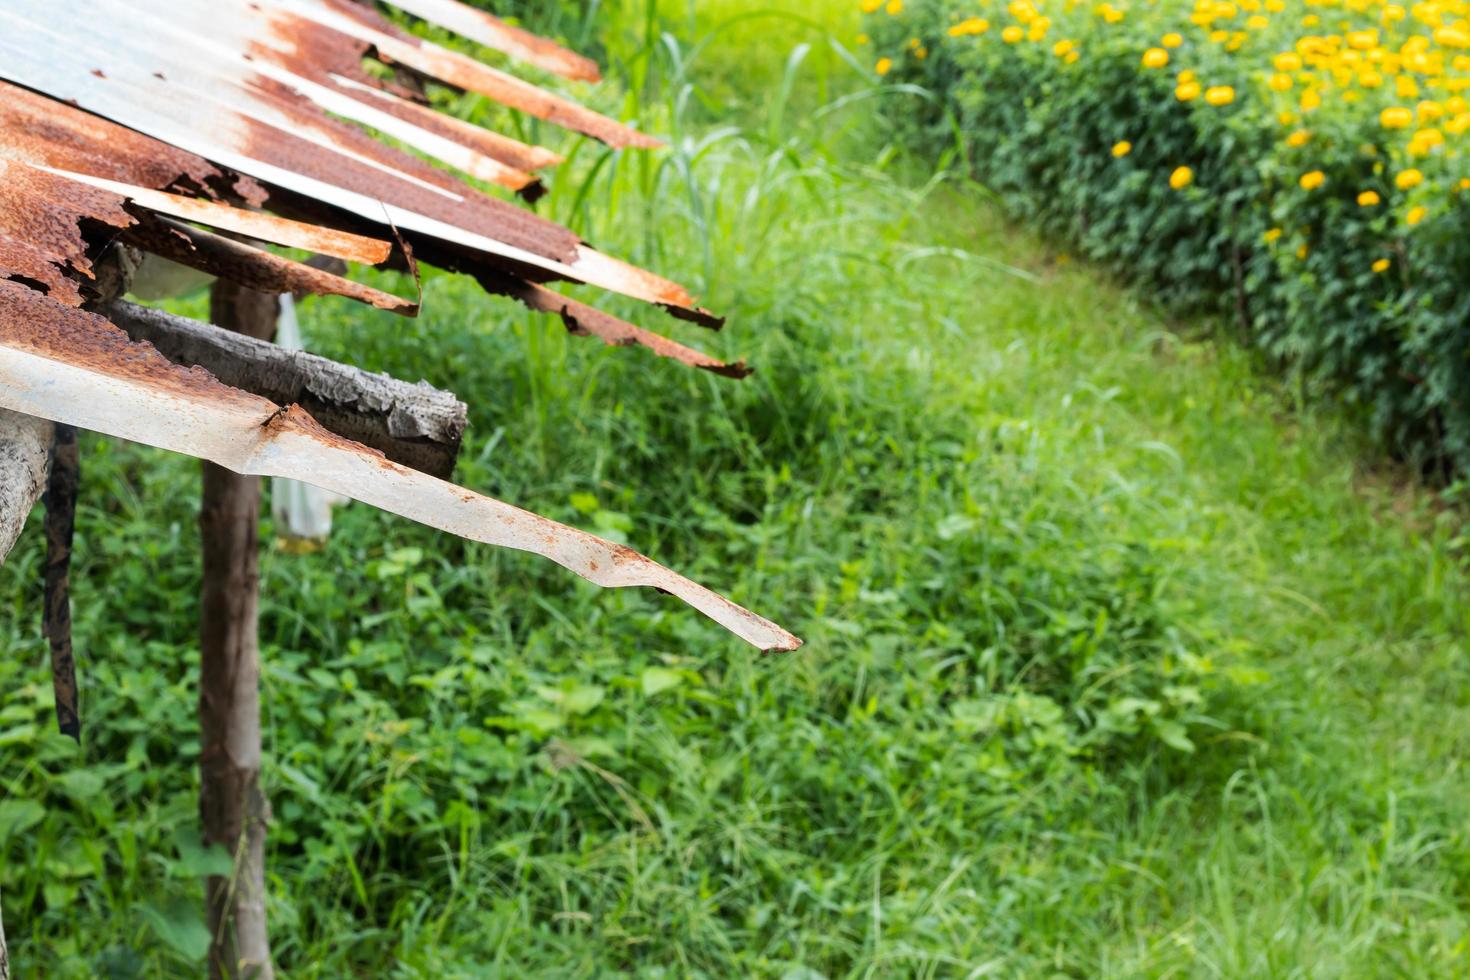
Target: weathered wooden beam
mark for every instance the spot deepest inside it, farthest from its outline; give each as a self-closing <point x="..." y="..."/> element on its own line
<point x="416" y="425"/>
<point x="25" y="452"/>
<point x="232" y="802"/>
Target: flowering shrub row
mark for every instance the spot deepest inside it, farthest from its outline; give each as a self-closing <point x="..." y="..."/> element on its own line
<point x="1297" y="164"/>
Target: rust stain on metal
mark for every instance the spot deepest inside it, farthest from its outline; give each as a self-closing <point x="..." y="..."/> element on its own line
<point x="514" y="154"/>
<point x="253" y="267"/>
<point x="38" y="130"/>
<point x="33" y="322"/>
<point x="41" y="218"/>
<point x="320" y="56"/>
<point x="255" y="224"/>
<point x="495" y="33"/>
<point x="394" y="46"/>
<point x="586" y="321"/>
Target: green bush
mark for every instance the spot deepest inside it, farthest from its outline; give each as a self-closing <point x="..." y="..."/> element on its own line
<point x="1363" y="303"/>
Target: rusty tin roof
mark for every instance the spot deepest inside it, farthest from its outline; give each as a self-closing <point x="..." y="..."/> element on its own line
<point x="197" y="129"/>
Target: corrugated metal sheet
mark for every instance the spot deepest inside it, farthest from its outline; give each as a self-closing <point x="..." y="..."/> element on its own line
<point x="142" y="120"/>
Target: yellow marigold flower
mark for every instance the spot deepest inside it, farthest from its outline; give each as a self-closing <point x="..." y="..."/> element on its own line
<point x="1464" y="184"/>
<point x="1062" y="48"/>
<point x="921" y="52"/>
<point x="1181" y="178"/>
<point x="884" y="66"/>
<point x="1429" y="110"/>
<point x="1172" y="40"/>
<point x="1280" y="82"/>
<point x="862" y="39"/>
<point x="1288" y="61"/>
<point x="1452" y="37"/>
<point x="1415" y="215"/>
<point x="1407" y="179"/>
<point x="1155" y="58"/>
<point x="1271" y="235"/>
<point x="1299" y="138"/>
<point x="1381" y="265"/>
<point x="970" y="27"/>
<point x="1312" y="180"/>
<point x="1219" y="95"/>
<point x="1012" y="34"/>
<point x="1257" y="23"/>
<point x="1396" y="117"/>
<point x="1122" y="148"/>
<point x="895" y="7"/>
<point x="871" y="6"/>
<point x="1362" y="40"/>
<point x="1310" y="100"/>
<point x="1302" y="252"/>
<point x="1369" y="199"/>
<point x="1187" y="91"/>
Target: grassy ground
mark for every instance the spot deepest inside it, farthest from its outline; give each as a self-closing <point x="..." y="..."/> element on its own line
<point x="1119" y="661"/>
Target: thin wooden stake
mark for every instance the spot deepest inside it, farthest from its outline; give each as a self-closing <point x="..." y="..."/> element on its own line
<point x="232" y="804"/>
<point x="61" y="512"/>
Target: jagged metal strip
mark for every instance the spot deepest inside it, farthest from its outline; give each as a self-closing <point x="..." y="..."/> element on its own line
<point x="50" y="51"/>
<point x="223" y="35"/>
<point x="255" y="224"/>
<point x="465" y="73"/>
<point x="496" y="34"/>
<point x="69" y="366"/>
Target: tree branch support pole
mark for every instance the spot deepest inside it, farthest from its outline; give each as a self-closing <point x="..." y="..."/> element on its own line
<point x="232" y="804"/>
<point x="25" y="452"/>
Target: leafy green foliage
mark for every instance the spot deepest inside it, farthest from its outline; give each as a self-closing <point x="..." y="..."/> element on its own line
<point x="1115" y="663"/>
<point x="1364" y="307"/>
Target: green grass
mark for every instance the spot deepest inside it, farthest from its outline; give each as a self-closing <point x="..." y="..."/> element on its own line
<point x="1120" y="662"/>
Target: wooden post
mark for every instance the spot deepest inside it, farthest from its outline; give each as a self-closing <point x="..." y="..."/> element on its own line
<point x="24" y="454"/>
<point x="232" y="804"/>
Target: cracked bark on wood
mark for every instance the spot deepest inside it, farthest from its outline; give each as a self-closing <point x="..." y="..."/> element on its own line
<point x="232" y="803"/>
<point x="414" y="424"/>
<point x="25" y="452"/>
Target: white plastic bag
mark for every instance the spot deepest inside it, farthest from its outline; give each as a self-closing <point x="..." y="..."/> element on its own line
<point x="303" y="512"/>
